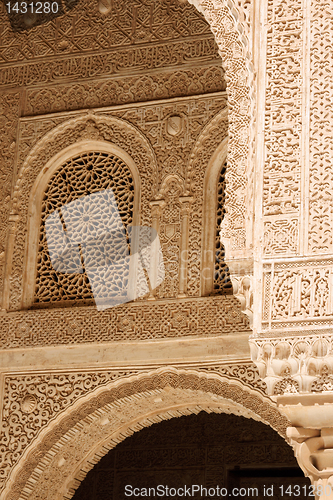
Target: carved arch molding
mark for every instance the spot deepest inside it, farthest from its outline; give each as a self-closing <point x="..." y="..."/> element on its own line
<point x="59" y="457"/>
<point x="231" y="25"/>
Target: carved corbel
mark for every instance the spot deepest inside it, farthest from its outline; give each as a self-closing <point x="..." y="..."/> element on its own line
<point x="243" y="291"/>
<point x="313" y="450"/>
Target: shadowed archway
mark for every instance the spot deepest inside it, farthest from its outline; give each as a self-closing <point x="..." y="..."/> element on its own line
<point x="207" y="450"/>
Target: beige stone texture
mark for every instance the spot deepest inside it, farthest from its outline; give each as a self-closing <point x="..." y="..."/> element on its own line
<point x="211" y="121"/>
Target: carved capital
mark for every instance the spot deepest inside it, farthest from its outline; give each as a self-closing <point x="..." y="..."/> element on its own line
<point x="186" y="202"/>
<point x="156" y="208"/>
<point x="293" y="365"/>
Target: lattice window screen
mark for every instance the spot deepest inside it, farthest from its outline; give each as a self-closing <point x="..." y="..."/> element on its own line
<point x="222" y="283"/>
<point x="82" y="175"/>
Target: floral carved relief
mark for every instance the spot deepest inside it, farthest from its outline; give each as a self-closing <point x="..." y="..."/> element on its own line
<point x="321" y="127"/>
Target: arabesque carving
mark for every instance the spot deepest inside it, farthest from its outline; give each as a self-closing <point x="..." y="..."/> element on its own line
<point x="71" y="51"/>
<point x="206" y="316"/>
<point x="283" y="127"/>
<point x="321" y="130"/>
<point x="81" y="95"/>
<point x="298" y="293"/>
<point x="9" y="115"/>
<point x="150" y="119"/>
<point x="238" y="74"/>
<point x="93" y="127"/>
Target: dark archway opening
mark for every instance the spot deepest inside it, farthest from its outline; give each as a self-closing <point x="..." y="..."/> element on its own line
<point x="208" y="450"/>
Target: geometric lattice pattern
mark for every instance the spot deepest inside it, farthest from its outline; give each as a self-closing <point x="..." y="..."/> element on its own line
<point x="222" y="283"/>
<point x="80" y="176"/>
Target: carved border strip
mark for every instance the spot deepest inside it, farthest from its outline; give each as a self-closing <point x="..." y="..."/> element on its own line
<point x="206" y="316"/>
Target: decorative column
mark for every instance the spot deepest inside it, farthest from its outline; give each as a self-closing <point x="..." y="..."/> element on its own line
<point x="13" y="218"/>
<point x="185" y="212"/>
<point x="156" y="207"/>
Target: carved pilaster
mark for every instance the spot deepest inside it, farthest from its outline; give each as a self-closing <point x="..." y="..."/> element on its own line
<point x="185" y="211"/>
<point x="155" y="214"/>
<point x="13" y="218"/>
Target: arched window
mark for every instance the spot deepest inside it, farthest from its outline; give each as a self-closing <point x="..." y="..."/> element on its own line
<point x="221" y="280"/>
<point x="80" y="176"/>
<point x="215" y="278"/>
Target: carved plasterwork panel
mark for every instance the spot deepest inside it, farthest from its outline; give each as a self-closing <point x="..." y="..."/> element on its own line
<point x="281" y="236"/>
<point x="236" y="62"/>
<point x="107" y="129"/>
<point x="283" y="127"/>
<point x="209" y="316"/>
<point x="321" y="129"/>
<point x="31" y="401"/>
<point x="122" y="90"/>
<point x="176" y="130"/>
<point x="114" y="409"/>
<point x="203" y="125"/>
<point x="128" y="24"/>
<point x="113" y="61"/>
<point x="184" y="151"/>
<point x="298" y="294"/>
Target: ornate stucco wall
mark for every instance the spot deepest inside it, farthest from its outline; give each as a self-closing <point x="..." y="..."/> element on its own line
<point x="109" y="77"/>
